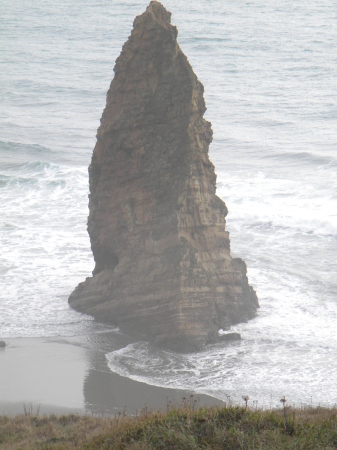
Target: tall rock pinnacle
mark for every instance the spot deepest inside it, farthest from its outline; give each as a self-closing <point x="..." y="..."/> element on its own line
<point x="163" y="267"/>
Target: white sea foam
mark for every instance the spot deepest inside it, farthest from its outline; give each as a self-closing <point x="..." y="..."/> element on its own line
<point x="46" y="248"/>
<point x="288" y="349"/>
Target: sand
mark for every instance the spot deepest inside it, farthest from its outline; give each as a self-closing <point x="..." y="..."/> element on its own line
<point x="67" y="375"/>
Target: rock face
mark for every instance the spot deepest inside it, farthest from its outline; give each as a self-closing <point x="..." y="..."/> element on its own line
<point x="163" y="267"/>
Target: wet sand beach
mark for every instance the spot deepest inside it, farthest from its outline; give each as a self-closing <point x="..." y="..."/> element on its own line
<point x="69" y="375"/>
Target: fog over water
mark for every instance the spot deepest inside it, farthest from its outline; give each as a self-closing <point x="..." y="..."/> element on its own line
<point x="270" y="76"/>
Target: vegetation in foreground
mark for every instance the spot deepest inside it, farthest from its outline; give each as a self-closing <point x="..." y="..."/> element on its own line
<point x="181" y="428"/>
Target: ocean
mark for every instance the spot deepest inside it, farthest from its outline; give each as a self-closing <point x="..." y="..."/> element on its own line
<point x="270" y="75"/>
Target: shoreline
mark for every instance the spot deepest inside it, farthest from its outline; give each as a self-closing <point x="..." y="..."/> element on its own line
<point x="66" y="375"/>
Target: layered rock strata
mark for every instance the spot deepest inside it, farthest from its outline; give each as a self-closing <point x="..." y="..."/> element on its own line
<point x="163" y="268"/>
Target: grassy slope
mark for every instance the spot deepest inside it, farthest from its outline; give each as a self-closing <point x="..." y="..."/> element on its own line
<point x="183" y="428"/>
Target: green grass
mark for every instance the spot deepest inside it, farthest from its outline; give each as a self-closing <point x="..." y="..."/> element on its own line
<point x="182" y="428"/>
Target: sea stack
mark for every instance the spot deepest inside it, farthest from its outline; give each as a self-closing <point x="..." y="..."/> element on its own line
<point x="163" y="268"/>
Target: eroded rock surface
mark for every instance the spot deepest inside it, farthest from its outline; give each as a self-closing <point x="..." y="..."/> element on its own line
<point x="163" y="267"/>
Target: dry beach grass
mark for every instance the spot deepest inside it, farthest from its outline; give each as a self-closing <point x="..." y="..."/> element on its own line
<point x="182" y="427"/>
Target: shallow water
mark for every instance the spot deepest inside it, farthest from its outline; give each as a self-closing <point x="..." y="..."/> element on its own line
<point x="269" y="72"/>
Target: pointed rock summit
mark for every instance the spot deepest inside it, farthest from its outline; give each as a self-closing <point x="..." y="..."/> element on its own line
<point x="163" y="267"/>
